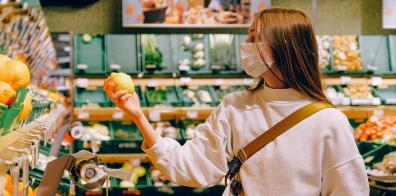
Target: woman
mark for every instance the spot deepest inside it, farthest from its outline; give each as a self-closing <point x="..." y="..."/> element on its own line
<point x="318" y="156"/>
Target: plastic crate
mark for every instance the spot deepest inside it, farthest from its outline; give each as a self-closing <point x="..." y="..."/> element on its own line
<point x="224" y="68"/>
<point x="222" y="91"/>
<point x="375" y="53"/>
<point x="164" y="47"/>
<point x="9" y="115"/>
<point x="83" y="96"/>
<point x="180" y="53"/>
<point x="89" y="55"/>
<point x="126" y="138"/>
<point x="121" y="53"/>
<point x="387" y="95"/>
<point x="188" y="102"/>
<point x="167" y="96"/>
<point x="392" y="51"/>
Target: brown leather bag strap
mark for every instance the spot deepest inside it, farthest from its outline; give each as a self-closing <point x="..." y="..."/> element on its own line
<point x="280" y="128"/>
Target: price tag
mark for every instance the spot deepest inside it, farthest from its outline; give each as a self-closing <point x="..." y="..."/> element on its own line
<point x="218" y="82"/>
<point x="83" y="115"/>
<point x="247" y="81"/>
<point x="376" y="101"/>
<point x="82" y="66"/>
<point x="345" y="80"/>
<point x="82" y="83"/>
<point x="390" y="100"/>
<point x="378" y="112"/>
<point x="185" y="79"/>
<point x="376" y="81"/>
<point x="118" y="115"/>
<point x="155" y="116"/>
<point x="115" y="66"/>
<point x="192" y="114"/>
<point x="346" y="101"/>
<point x="152" y="83"/>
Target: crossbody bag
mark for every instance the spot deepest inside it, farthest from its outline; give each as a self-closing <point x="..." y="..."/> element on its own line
<point x="270" y="135"/>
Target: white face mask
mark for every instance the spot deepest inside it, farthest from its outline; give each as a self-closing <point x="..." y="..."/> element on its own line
<point x="252" y="62"/>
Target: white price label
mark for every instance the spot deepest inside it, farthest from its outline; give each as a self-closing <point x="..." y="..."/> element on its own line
<point x="83" y="115"/>
<point x="247" y="81"/>
<point x="376" y="81"/>
<point x="376" y="101"/>
<point x="155" y="116"/>
<point x="185" y="79"/>
<point x="152" y="83"/>
<point x="378" y="112"/>
<point x="346" y="101"/>
<point x="82" y="83"/>
<point x="118" y="115"/>
<point x="218" y="82"/>
<point x="345" y="80"/>
<point x="82" y="66"/>
<point x="390" y="100"/>
<point x="115" y="66"/>
<point x="192" y="114"/>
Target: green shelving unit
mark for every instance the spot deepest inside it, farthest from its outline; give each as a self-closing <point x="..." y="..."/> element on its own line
<point x="375" y="53"/>
<point x="122" y="53"/>
<point x="83" y="96"/>
<point x="89" y="55"/>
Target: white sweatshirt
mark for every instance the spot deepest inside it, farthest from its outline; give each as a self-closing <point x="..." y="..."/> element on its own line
<point x="317" y="156"/>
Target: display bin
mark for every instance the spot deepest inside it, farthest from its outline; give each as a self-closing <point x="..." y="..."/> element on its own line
<point x="367" y="149"/>
<point x="139" y="92"/>
<point x="83" y="96"/>
<point x="223" y="55"/>
<point x="126" y="138"/>
<point x="179" y="136"/>
<point x="36" y="175"/>
<point x="105" y="147"/>
<point x="188" y="102"/>
<point x="122" y="53"/>
<point x="89" y="55"/>
<point x="392" y="51"/>
<point x="99" y="192"/>
<point x="339" y="100"/>
<point x="240" y="39"/>
<point x="222" y="91"/>
<point x="9" y="115"/>
<point x="328" y="67"/>
<point x="181" y="52"/>
<point x="166" y="96"/>
<point x="163" y="45"/>
<point x="375" y="53"/>
<point x="387" y="95"/>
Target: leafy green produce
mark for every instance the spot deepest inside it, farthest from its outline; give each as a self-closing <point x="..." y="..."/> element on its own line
<point x="152" y="55"/>
<point x="222" y="53"/>
<point x="157" y="96"/>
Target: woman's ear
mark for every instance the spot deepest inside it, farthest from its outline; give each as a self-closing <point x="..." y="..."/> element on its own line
<point x="251" y="33"/>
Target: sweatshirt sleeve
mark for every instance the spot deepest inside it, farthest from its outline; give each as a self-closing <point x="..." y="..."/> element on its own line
<point x="344" y="172"/>
<point x="200" y="162"/>
<point x="349" y="178"/>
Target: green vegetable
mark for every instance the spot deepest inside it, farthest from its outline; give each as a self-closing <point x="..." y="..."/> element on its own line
<point x="222" y="53"/>
<point x="152" y="54"/>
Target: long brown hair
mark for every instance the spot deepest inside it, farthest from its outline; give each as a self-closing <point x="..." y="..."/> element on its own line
<point x="292" y="40"/>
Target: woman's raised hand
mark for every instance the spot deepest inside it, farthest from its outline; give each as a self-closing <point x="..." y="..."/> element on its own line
<point x="127" y="102"/>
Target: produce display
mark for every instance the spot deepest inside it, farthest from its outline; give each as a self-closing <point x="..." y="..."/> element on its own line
<point x="382" y="129"/>
<point x="346" y="53"/>
<point x="336" y="96"/>
<point x="137" y="170"/>
<point x="193" y="52"/>
<point x="153" y="57"/>
<point x="358" y="91"/>
<point x="222" y="52"/>
<point x="166" y="129"/>
<point x="197" y="96"/>
<point x="222" y="91"/>
<point x="324" y="42"/>
<point x="162" y="95"/>
<point x="125" y="131"/>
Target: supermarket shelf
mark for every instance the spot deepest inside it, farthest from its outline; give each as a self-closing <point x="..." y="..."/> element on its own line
<point x="122" y="158"/>
<point x="201" y="113"/>
<point x="94" y="83"/>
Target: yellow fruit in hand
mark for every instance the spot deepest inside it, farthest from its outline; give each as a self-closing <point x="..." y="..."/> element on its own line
<point x="15" y="73"/>
<point x="123" y="81"/>
<point x="7" y="93"/>
<point x="27" y="107"/>
<point x="6" y="193"/>
<point x="3" y="59"/>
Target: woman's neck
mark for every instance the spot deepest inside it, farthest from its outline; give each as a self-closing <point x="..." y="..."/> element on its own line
<point x="274" y="81"/>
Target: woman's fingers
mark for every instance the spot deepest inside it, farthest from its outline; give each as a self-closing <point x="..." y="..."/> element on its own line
<point x="115" y="97"/>
<point x="105" y="84"/>
<point x="125" y="98"/>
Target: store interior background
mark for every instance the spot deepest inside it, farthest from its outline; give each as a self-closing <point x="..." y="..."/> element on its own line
<point x="355" y="17"/>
